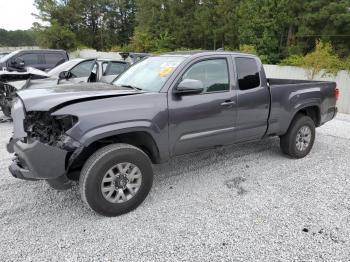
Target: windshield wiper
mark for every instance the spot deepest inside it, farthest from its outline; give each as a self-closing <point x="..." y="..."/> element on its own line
<point x="133" y="87"/>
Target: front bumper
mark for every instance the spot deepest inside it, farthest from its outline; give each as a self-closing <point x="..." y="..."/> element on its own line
<point x="35" y="161"/>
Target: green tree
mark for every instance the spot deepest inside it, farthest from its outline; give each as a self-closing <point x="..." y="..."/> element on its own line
<point x="328" y="20"/>
<point x="17" y="38"/>
<point x="275" y="28"/>
<point x="96" y="23"/>
<point x="322" y="59"/>
<point x="56" y="37"/>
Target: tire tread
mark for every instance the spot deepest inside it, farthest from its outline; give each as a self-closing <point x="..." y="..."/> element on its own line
<point x="93" y="159"/>
<point x="287" y="140"/>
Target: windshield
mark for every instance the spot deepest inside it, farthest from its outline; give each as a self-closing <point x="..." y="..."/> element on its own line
<point x="150" y="74"/>
<point x="6" y="57"/>
<point x="63" y="67"/>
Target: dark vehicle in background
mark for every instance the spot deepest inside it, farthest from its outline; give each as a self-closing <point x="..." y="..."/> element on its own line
<point x="161" y="107"/>
<point x="133" y="57"/>
<point x="73" y="71"/>
<point x="43" y="59"/>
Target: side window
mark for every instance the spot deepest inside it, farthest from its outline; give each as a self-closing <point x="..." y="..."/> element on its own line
<point x="53" y="59"/>
<point x="212" y="73"/>
<point x="94" y="69"/>
<point x="104" y="67"/>
<point x="115" y="68"/>
<point x="83" y="69"/>
<point x="248" y="73"/>
<point x="30" y="59"/>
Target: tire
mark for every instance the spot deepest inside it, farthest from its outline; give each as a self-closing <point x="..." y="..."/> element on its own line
<point x="6" y="110"/>
<point x="295" y="142"/>
<point x="110" y="164"/>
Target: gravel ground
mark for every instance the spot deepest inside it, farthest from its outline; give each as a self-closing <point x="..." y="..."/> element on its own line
<point x="245" y="203"/>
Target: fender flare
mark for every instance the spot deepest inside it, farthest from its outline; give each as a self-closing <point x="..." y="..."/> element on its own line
<point x="118" y="129"/>
<point x="302" y="106"/>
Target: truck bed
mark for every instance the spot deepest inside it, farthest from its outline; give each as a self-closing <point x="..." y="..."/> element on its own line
<point x="289" y="95"/>
<point x="277" y="81"/>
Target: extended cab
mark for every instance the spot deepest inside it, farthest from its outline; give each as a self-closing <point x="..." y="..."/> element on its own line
<point x="108" y="136"/>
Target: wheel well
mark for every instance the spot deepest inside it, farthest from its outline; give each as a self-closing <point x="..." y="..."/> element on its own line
<point x="140" y="139"/>
<point x="313" y="112"/>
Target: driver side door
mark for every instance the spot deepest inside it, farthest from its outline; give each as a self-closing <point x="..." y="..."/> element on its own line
<point x="205" y="120"/>
<point x="81" y="72"/>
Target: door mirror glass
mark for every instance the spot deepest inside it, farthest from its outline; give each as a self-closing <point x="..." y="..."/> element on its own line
<point x="65" y="75"/>
<point x="189" y="86"/>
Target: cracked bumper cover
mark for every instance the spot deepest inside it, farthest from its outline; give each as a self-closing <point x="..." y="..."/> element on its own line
<point x="35" y="161"/>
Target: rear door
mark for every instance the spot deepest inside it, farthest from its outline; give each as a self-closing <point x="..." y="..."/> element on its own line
<point x="253" y="99"/>
<point x="206" y="120"/>
<point x="111" y="69"/>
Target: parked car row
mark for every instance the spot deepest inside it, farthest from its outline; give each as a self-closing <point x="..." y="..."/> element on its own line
<point x="18" y="71"/>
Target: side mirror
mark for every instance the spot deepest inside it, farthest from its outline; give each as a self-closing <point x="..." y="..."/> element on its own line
<point x="189" y="87"/>
<point x="124" y="55"/>
<point x="65" y="75"/>
<point x="18" y="63"/>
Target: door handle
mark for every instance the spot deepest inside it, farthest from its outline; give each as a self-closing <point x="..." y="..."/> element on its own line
<point x="228" y="103"/>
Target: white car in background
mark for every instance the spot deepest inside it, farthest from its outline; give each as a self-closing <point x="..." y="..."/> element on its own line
<point x="70" y="72"/>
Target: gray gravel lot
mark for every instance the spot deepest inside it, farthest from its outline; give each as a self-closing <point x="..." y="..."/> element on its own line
<point x="245" y="203"/>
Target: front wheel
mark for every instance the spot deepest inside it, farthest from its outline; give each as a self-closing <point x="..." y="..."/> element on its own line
<point x="116" y="179"/>
<point x="300" y="137"/>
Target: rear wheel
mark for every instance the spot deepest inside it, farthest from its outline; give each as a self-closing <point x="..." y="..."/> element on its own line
<point x="116" y="179"/>
<point x="300" y="137"/>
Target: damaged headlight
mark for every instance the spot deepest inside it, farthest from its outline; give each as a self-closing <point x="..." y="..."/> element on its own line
<point x="66" y="122"/>
<point x="47" y="128"/>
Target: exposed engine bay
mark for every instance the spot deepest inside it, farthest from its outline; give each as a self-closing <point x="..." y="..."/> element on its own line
<point x="7" y="92"/>
<point x="50" y="130"/>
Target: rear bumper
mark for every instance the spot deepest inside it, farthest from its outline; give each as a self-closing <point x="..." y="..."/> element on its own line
<point x="36" y="161"/>
<point x="329" y="115"/>
<point x="335" y="112"/>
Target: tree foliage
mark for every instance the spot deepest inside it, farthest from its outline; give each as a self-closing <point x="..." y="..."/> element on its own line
<point x="273" y="29"/>
<point x="17" y="38"/>
<point x="322" y="59"/>
<point x="95" y="23"/>
<point x="56" y="37"/>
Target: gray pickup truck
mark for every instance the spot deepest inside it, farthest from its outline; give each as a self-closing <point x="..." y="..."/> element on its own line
<point x="108" y="136"/>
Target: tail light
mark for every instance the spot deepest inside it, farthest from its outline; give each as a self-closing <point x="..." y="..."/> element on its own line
<point x="337" y="93"/>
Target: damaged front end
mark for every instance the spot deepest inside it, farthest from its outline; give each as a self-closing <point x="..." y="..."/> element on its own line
<point x="7" y="93"/>
<point x="42" y="148"/>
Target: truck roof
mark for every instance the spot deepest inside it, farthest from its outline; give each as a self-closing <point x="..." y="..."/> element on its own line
<point x="199" y="53"/>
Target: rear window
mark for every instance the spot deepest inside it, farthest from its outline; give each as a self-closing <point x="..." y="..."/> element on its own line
<point x="115" y="68"/>
<point x="53" y="58"/>
<point x="247" y="73"/>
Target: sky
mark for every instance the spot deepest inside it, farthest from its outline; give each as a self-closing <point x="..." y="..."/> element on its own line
<point x="16" y="14"/>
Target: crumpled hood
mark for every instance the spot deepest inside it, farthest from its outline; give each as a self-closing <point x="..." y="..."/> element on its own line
<point x="51" y="98"/>
<point x="28" y="71"/>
